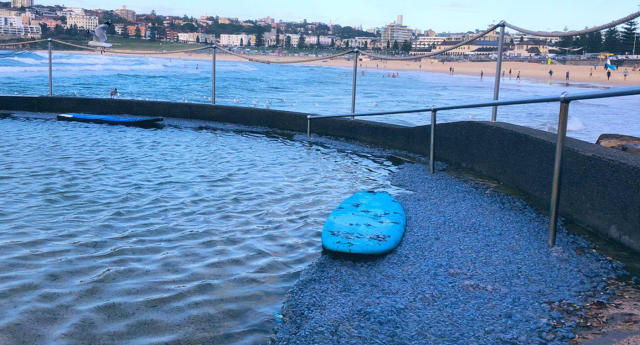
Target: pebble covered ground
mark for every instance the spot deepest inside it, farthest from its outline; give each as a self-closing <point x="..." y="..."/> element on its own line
<point x="474" y="267"/>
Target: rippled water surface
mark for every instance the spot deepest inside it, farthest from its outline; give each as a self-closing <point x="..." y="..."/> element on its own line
<point x="116" y="235"/>
<point x="314" y="89"/>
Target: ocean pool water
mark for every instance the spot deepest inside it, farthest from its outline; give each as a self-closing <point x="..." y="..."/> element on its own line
<point x="114" y="235"/>
<point x="313" y="89"/>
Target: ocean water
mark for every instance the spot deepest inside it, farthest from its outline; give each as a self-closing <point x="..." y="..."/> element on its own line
<point x="312" y="89"/>
<point x="182" y="235"/>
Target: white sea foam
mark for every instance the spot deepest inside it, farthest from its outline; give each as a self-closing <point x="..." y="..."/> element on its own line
<point x="574" y="124"/>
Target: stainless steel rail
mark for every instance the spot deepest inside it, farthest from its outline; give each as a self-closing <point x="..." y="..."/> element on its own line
<point x="564" y="100"/>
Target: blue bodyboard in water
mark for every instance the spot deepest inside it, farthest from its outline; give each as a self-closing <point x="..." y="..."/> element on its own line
<point x="112" y="120"/>
<point x="365" y="223"/>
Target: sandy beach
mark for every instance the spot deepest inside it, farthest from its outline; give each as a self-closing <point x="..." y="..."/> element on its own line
<point x="528" y="71"/>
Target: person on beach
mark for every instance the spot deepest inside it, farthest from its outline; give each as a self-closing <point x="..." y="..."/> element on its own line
<point x="503" y="74"/>
<point x="481" y="74"/>
<point x="550" y="74"/>
<point x="608" y="74"/>
<point x="518" y="76"/>
<point x="591" y="73"/>
<point x="595" y="67"/>
<point x="509" y="73"/>
<point x="566" y="77"/>
<point x="625" y="73"/>
<point x="113" y="92"/>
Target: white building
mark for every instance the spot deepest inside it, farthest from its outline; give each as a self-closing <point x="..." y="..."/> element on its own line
<point x="360" y="42"/>
<point x="83" y="22"/>
<point x="21" y="3"/>
<point x="196" y="37"/>
<point x="425" y="42"/>
<point x="12" y="27"/>
<point x="395" y="33"/>
<point x="234" y="40"/>
<point x="325" y="41"/>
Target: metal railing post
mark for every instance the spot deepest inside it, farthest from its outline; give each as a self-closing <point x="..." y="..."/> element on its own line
<point x="355" y="77"/>
<point x="557" y="170"/>
<point x="308" y="126"/>
<point x="213" y="75"/>
<point x="50" y="70"/>
<point x="496" y="85"/>
<point x="433" y="141"/>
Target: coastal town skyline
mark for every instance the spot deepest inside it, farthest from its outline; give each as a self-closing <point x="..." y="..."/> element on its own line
<point x="419" y="15"/>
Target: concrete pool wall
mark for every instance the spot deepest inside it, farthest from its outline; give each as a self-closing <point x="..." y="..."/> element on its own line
<point x="600" y="187"/>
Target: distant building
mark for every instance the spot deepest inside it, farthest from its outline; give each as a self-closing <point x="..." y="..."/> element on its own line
<point x="21" y="3"/>
<point x="361" y="42"/>
<point x="426" y="43"/>
<point x="82" y="22"/>
<point x="234" y="40"/>
<point x="12" y="27"/>
<point x="50" y="22"/>
<point x="324" y="41"/>
<point x="129" y="15"/>
<point x="395" y="33"/>
<point x="131" y="30"/>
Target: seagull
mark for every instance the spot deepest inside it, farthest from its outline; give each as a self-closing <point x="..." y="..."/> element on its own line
<point x="100" y="33"/>
<point x="100" y="36"/>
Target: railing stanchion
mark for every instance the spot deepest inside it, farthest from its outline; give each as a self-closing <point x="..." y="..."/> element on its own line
<point x="432" y="144"/>
<point x="308" y="126"/>
<point x="213" y="75"/>
<point x="355" y="77"/>
<point x="50" y="70"/>
<point x="496" y="85"/>
<point x="557" y="171"/>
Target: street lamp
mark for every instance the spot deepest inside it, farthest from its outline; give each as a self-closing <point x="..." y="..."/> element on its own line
<point x="634" y="44"/>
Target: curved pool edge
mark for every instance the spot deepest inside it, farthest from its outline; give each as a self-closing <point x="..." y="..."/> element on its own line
<point x="598" y="188"/>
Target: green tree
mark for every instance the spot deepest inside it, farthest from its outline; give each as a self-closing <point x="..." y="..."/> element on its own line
<point x="138" y="33"/>
<point x="406" y="46"/>
<point x="153" y="32"/>
<point x="259" y="39"/>
<point x="248" y="44"/>
<point x="198" y="39"/>
<point x="301" y="41"/>
<point x="611" y="41"/>
<point x="241" y="42"/>
<point x="111" y="30"/>
<point x="277" y="37"/>
<point x="365" y="46"/>
<point x="333" y="42"/>
<point x="594" y="42"/>
<point x="318" y="45"/>
<point x="395" y="45"/>
<point x="125" y="31"/>
<point x="388" y="44"/>
<point x="287" y="42"/>
<point x="346" y="43"/>
<point x="628" y="36"/>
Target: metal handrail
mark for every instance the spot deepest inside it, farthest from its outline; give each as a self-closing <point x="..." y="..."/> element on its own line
<point x="563" y="116"/>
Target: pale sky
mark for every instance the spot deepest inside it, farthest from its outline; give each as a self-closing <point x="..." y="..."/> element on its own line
<point x="441" y="16"/>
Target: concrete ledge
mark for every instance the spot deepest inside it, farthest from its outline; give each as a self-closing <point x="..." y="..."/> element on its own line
<point x="600" y="187"/>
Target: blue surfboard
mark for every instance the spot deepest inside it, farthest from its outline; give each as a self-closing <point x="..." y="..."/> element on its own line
<point x="365" y="223"/>
<point x="112" y="120"/>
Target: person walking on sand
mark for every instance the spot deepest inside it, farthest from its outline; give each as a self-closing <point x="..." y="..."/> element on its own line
<point x="566" y="77"/>
<point x="550" y="74"/>
<point x="481" y="74"/>
<point x="625" y="73"/>
<point x="518" y="76"/>
<point x="608" y="74"/>
<point x="509" y="73"/>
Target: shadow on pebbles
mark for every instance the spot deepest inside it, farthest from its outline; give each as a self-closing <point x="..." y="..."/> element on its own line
<point x="474" y="267"/>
